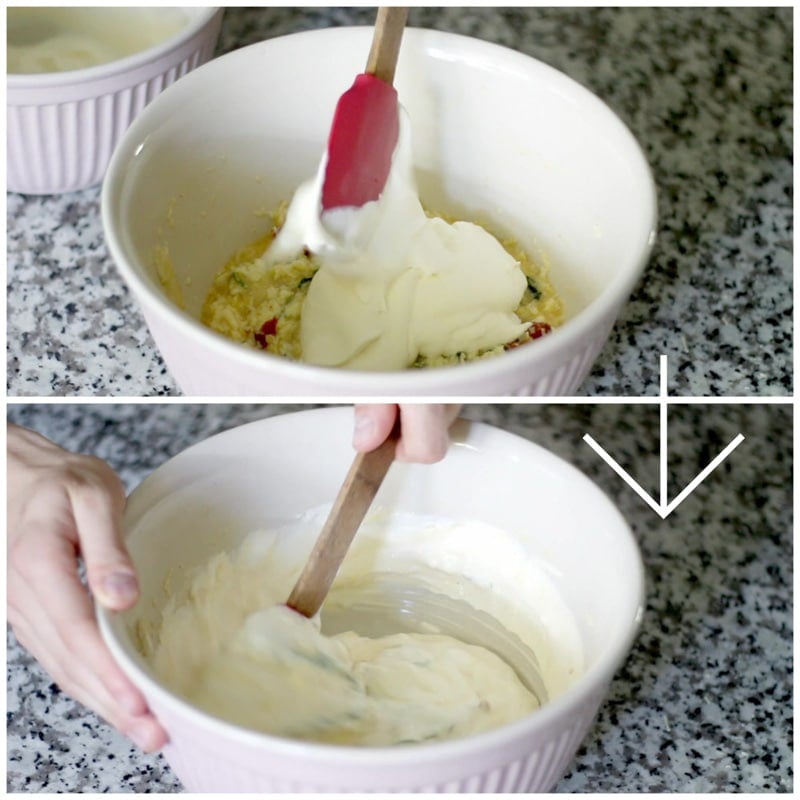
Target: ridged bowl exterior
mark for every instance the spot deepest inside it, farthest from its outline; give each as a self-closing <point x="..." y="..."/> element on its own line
<point x="61" y="135"/>
<point x="241" y="480"/>
<point x="535" y="765"/>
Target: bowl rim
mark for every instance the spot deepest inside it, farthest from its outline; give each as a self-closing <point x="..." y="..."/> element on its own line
<point x="435" y="379"/>
<point x="202" y="16"/>
<point x="592" y="681"/>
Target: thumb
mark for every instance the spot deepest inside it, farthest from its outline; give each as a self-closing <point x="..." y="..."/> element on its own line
<point x="373" y="424"/>
<point x="97" y="508"/>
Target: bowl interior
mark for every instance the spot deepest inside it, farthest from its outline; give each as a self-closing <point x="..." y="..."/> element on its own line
<point x="497" y="137"/>
<point x="266" y="473"/>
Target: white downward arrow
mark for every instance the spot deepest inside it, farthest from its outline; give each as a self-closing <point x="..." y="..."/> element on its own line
<point x="664" y="507"/>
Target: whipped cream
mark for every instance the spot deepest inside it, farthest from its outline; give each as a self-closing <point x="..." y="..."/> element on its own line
<point x="394" y="283"/>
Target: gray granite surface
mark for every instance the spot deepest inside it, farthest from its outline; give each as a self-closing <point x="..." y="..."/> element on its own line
<point x="704" y="702"/>
<point x="708" y="93"/>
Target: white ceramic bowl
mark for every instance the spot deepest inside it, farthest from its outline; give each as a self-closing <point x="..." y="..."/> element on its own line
<point x="210" y="496"/>
<point x="496" y="135"/>
<point x="63" y="126"/>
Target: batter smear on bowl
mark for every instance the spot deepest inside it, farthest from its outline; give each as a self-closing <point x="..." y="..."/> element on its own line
<point x="382" y="287"/>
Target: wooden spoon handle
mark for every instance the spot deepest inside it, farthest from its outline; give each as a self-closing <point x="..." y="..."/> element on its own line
<point x="386" y="42"/>
<point x="354" y="499"/>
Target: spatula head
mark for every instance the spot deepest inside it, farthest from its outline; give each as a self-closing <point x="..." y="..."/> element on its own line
<point x="362" y="140"/>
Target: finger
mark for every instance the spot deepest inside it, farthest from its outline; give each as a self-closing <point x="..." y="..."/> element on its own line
<point x="53" y="617"/>
<point x="97" y="501"/>
<point x="146" y="732"/>
<point x="373" y="424"/>
<point x="60" y="610"/>
<point x="138" y="723"/>
<point x="424" y="431"/>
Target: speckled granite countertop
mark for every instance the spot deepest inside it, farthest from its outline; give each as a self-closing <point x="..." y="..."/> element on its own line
<point x="704" y="703"/>
<point x="708" y="93"/>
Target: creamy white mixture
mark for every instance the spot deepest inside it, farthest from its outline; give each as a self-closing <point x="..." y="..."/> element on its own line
<point x="395" y="284"/>
<point x="227" y="644"/>
<point x="41" y="40"/>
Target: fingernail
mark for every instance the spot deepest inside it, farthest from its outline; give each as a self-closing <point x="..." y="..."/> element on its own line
<point x="121" y="586"/>
<point x="141" y="734"/>
<point x="363" y="430"/>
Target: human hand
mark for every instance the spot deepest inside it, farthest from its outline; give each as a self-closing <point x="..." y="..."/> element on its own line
<point x="424" y="429"/>
<point x="63" y="506"/>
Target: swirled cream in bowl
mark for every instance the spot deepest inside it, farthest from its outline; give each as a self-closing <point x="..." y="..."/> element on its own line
<point x="226" y="642"/>
<point x="466" y="645"/>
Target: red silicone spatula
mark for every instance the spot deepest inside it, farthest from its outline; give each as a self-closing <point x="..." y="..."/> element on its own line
<point x="366" y="123"/>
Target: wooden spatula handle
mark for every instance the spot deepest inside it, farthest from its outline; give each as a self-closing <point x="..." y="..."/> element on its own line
<point x="355" y="497"/>
<point x="386" y="42"/>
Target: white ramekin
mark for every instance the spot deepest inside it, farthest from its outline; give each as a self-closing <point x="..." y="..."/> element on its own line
<point x="62" y="127"/>
<point x="209" y="497"/>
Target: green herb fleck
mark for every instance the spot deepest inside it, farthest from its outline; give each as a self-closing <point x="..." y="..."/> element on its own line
<point x="534" y="289"/>
<point x="239" y="279"/>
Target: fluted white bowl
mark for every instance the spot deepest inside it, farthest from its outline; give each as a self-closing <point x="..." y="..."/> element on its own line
<point x="62" y="127"/>
<point x="497" y="136"/>
<point x="209" y="497"/>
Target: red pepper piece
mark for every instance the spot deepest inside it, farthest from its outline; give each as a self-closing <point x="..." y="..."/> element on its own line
<point x="269" y="328"/>
<point x="536" y="331"/>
